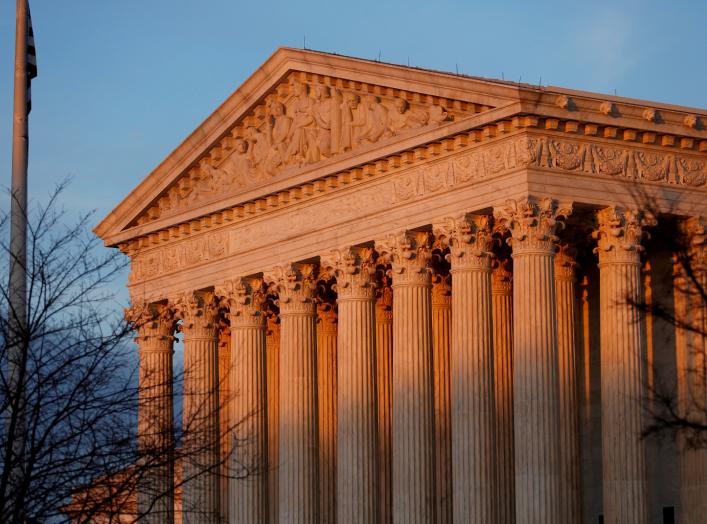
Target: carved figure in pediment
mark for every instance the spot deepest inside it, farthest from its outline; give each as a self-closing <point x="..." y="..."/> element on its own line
<point x="437" y="115"/>
<point x="302" y="119"/>
<point x="258" y="151"/>
<point x="375" y="119"/>
<point x="237" y="165"/>
<point x="278" y="128"/>
<point x="402" y="117"/>
<point x="322" y="114"/>
<point x="351" y="121"/>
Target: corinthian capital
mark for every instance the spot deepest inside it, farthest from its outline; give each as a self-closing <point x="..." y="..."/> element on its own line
<point x="153" y="322"/>
<point x="501" y="277"/>
<point x="245" y="299"/>
<point x="532" y="222"/>
<point x="354" y="269"/>
<point x="565" y="263"/>
<point x="696" y="243"/>
<point x="295" y="285"/>
<point x="198" y="312"/>
<point x="409" y="254"/>
<point x="619" y="234"/>
<point x="469" y="238"/>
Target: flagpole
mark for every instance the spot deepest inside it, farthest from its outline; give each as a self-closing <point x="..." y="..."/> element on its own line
<point x="18" y="206"/>
<point x="17" y="289"/>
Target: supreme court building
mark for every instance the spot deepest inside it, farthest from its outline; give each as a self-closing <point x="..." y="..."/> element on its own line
<point x="412" y="296"/>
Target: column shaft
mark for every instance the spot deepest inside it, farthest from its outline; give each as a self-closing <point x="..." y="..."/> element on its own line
<point x="570" y="502"/>
<point x="623" y="461"/>
<point x="441" y="331"/>
<point x="412" y="429"/>
<point x="224" y="395"/>
<point x="200" y="420"/>
<point x="326" y="398"/>
<point x="471" y="362"/>
<point x="247" y="485"/>
<point x="298" y="457"/>
<point x="272" y="358"/>
<point x="155" y="412"/>
<point x="691" y="356"/>
<point x="384" y="383"/>
<point x="502" y="304"/>
<point x="357" y="460"/>
<point x="536" y="409"/>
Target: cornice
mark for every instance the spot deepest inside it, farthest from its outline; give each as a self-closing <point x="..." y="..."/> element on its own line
<point x="491" y="126"/>
<point x="259" y="84"/>
<point x="629" y="117"/>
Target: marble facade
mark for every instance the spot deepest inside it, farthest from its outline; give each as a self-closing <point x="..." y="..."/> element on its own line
<point x="426" y="282"/>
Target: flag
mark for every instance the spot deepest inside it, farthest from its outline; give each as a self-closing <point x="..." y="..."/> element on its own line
<point x="31" y="60"/>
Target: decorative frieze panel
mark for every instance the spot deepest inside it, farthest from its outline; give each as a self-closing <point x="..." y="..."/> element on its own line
<point x="435" y="176"/>
<point x="300" y="123"/>
<point x="524" y="151"/>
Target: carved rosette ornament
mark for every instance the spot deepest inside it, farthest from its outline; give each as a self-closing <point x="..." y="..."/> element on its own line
<point x="354" y="270"/>
<point x="532" y="223"/>
<point x="296" y="285"/>
<point x="245" y="300"/>
<point x="469" y="239"/>
<point x="619" y="235"/>
<point x="409" y="254"/>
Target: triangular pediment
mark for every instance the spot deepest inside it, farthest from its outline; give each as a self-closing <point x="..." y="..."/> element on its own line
<point x="301" y="109"/>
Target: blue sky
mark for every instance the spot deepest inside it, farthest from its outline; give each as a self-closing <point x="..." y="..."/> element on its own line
<point x="122" y="82"/>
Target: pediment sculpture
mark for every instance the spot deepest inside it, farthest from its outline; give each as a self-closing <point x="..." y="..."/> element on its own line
<point x="302" y="123"/>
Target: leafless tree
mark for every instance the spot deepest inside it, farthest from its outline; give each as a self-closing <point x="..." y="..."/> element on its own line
<point x="69" y="416"/>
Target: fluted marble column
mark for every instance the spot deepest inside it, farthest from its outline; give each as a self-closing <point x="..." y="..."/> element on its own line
<point x="224" y="419"/>
<point x="200" y="413"/>
<point x="570" y="483"/>
<point x="412" y="429"/>
<point x="502" y="304"/>
<point x="384" y="383"/>
<point x="272" y="358"/>
<point x="471" y="361"/>
<point x="298" y="472"/>
<point x="327" y="415"/>
<point x="536" y="408"/>
<point x="619" y="237"/>
<point x="357" y="460"/>
<point x="247" y="486"/>
<point x="441" y="333"/>
<point x="691" y="310"/>
<point x="155" y="327"/>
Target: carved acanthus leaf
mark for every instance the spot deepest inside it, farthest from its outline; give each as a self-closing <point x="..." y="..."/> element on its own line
<point x="245" y="299"/>
<point x="296" y="285"/>
<point x="694" y="230"/>
<point x="619" y="234"/>
<point x="354" y="269"/>
<point x="565" y="263"/>
<point x="198" y="311"/>
<point x="532" y="222"/>
<point x="409" y="254"/>
<point x="469" y="238"/>
<point x="502" y="277"/>
<point x="151" y="321"/>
